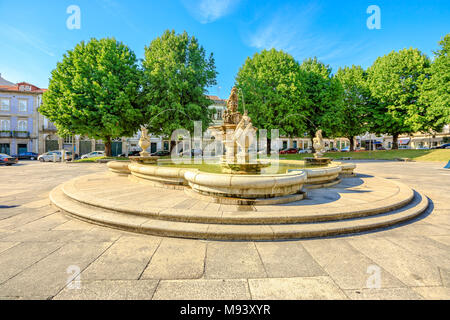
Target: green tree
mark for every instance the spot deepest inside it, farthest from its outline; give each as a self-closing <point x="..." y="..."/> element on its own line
<point x="94" y="91"/>
<point x="176" y="76"/>
<point x="435" y="92"/>
<point x="395" y="80"/>
<point x="357" y="102"/>
<point x="324" y="98"/>
<point x="270" y="83"/>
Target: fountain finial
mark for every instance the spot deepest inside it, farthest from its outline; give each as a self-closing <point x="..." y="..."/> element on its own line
<point x="231" y="115"/>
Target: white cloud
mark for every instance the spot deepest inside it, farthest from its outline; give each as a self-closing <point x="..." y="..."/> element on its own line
<point x="292" y="30"/>
<point x="207" y="11"/>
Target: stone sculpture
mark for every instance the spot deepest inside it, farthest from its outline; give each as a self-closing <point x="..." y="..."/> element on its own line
<point x="319" y="145"/>
<point x="144" y="142"/>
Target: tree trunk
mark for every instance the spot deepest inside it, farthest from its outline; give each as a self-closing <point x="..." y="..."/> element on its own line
<point x="395" y="141"/>
<point x="108" y="149"/>
<point x="352" y="143"/>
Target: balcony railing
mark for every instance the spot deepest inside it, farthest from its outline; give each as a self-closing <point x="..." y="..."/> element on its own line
<point x="21" y="134"/>
<point x="5" y="134"/>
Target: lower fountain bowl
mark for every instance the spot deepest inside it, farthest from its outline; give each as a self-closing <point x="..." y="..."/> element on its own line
<point x="246" y="186"/>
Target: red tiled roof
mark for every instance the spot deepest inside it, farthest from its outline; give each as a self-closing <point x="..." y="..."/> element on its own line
<point x="215" y="98"/>
<point x="16" y="88"/>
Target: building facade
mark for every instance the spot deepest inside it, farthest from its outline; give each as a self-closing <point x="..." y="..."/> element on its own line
<point x="19" y="123"/>
<point x="158" y="143"/>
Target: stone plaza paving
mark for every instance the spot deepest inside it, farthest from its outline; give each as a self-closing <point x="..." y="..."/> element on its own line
<point x="41" y="248"/>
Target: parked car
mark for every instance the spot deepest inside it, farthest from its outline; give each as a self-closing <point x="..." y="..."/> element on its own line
<point x="7" y="160"/>
<point x="403" y="147"/>
<point x="333" y="150"/>
<point x="93" y="154"/>
<point x="443" y="146"/>
<point x="305" y="150"/>
<point x="193" y="153"/>
<point x="422" y="148"/>
<point x="27" y="156"/>
<point x="130" y="154"/>
<point x="346" y="149"/>
<point x="161" y="153"/>
<point x="289" y="151"/>
<point x="54" y="155"/>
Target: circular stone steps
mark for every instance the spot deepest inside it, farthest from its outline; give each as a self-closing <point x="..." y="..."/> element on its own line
<point x="118" y="202"/>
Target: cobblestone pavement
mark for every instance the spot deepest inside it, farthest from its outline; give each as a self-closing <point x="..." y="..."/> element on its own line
<point x="47" y="255"/>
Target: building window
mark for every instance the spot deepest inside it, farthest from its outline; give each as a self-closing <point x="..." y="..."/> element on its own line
<point x="5" y="125"/>
<point x="5" y="104"/>
<point x="22" y="125"/>
<point x="25" y="88"/>
<point x="23" y="105"/>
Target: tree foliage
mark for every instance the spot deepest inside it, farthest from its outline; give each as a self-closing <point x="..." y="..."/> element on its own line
<point x="395" y="80"/>
<point x="435" y="92"/>
<point x="176" y="75"/>
<point x="271" y="86"/>
<point x="357" y="102"/>
<point x="324" y="95"/>
<point x="94" y="91"/>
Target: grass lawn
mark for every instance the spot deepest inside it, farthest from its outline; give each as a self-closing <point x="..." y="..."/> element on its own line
<point x="416" y="155"/>
<point x="99" y="158"/>
<point x="441" y="155"/>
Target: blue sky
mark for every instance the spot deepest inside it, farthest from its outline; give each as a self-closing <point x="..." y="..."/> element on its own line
<point x="34" y="35"/>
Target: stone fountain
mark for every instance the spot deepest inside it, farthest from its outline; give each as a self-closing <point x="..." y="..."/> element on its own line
<point x="240" y="179"/>
<point x="144" y="143"/>
<point x="237" y="135"/>
<point x="319" y="147"/>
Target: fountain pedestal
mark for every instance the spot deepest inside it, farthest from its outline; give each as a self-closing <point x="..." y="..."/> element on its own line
<point x="317" y="161"/>
<point x="145" y="159"/>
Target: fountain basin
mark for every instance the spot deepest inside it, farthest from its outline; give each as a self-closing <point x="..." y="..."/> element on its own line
<point x="119" y="167"/>
<point x="348" y="169"/>
<point x="161" y="176"/>
<point x="246" y="186"/>
<point x="165" y="172"/>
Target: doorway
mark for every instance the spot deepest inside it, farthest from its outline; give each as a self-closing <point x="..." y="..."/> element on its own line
<point x="5" y="148"/>
<point x="22" y="148"/>
<point x="154" y="147"/>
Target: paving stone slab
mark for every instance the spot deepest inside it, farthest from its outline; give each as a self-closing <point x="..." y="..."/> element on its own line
<point x="7" y="245"/>
<point x="310" y="288"/>
<point x="433" y="293"/>
<point x="22" y="256"/>
<point x="234" y="289"/>
<point x="287" y="259"/>
<point x="233" y="260"/>
<point x="177" y="259"/>
<point x="126" y="259"/>
<point x="384" y="294"/>
<point x="51" y="274"/>
<point x="411" y="269"/>
<point x="348" y="267"/>
<point x="110" y="290"/>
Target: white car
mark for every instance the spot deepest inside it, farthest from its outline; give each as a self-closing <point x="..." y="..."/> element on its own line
<point x="94" y="154"/>
<point x="305" y="151"/>
<point x="54" y="155"/>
